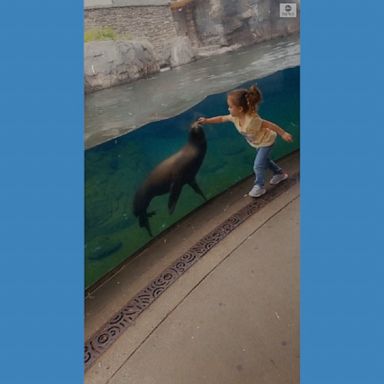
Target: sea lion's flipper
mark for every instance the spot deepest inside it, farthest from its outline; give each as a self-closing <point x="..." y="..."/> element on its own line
<point x="174" y="193"/>
<point x="144" y="223"/>
<point x="197" y="189"/>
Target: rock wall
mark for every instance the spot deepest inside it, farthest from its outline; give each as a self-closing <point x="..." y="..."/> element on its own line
<point x="178" y="31"/>
<point x="109" y="63"/>
<point x="152" y="23"/>
<point x="228" y="22"/>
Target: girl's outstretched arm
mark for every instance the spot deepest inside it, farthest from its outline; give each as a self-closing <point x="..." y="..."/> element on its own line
<point x="280" y="131"/>
<point x="214" y="120"/>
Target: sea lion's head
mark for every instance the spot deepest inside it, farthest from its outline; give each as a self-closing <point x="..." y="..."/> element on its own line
<point x="196" y="134"/>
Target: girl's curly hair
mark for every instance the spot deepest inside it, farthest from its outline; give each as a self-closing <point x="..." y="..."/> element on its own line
<point x="248" y="99"/>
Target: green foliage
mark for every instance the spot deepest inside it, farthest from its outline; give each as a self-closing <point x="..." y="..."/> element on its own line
<point x="104" y="33"/>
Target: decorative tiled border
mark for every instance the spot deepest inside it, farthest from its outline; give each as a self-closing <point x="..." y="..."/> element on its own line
<point x="111" y="330"/>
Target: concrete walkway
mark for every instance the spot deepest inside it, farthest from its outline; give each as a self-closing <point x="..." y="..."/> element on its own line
<point x="232" y="318"/>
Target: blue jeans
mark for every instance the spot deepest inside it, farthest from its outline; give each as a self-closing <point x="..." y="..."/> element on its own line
<point x="262" y="162"/>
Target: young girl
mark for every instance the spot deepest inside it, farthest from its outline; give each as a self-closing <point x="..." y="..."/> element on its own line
<point x="260" y="134"/>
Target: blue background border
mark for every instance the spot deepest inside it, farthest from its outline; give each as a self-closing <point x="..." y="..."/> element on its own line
<point x="41" y="244"/>
<point x="42" y="192"/>
<point x="341" y="192"/>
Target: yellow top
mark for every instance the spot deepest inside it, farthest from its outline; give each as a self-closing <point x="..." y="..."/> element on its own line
<point x="253" y="131"/>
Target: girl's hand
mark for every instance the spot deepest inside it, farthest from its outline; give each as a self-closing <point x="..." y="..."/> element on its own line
<point x="287" y="137"/>
<point x="202" y="120"/>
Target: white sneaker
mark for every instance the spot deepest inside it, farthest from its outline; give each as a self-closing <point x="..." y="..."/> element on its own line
<point x="276" y="179"/>
<point x="257" y="191"/>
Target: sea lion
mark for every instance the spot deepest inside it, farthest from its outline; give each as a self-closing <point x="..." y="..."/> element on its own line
<point x="171" y="175"/>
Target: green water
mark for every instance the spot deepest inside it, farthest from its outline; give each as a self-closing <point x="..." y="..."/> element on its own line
<point x="115" y="169"/>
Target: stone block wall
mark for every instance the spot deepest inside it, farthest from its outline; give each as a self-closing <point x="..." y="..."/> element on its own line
<point x="152" y="23"/>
